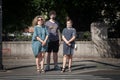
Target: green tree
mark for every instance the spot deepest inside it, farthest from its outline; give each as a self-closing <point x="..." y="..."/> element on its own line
<point x="18" y="14"/>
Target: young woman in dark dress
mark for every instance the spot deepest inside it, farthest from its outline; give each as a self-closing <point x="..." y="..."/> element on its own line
<point x="68" y="36"/>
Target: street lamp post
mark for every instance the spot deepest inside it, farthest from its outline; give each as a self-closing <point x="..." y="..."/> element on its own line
<point x="1" y="65"/>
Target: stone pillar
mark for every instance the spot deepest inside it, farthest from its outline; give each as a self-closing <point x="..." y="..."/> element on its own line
<point x="99" y="38"/>
<point x="1" y="66"/>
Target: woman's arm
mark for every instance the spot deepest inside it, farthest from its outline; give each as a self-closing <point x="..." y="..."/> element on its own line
<point x="46" y="39"/>
<point x="72" y="39"/>
<point x="65" y="40"/>
<point x="44" y="42"/>
<point x="73" y="36"/>
<point x="39" y="39"/>
<point x="35" y="35"/>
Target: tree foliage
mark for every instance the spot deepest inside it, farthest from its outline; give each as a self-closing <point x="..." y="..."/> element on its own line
<point x="18" y="14"/>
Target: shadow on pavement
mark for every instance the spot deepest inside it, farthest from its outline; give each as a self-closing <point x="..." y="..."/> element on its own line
<point x="19" y="67"/>
<point x="107" y="64"/>
<point x="83" y="67"/>
<point x="76" y="66"/>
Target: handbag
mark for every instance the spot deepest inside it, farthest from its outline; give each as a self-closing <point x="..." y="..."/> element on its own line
<point x="75" y="47"/>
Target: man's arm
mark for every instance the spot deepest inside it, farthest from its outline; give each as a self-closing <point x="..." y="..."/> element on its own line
<point x="59" y="34"/>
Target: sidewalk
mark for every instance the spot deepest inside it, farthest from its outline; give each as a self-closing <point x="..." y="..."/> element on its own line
<point x="82" y="69"/>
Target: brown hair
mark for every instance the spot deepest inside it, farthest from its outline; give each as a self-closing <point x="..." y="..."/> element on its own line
<point x="52" y="12"/>
<point x="68" y="19"/>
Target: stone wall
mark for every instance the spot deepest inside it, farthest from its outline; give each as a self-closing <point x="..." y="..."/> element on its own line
<point x="85" y="49"/>
<point x="23" y="49"/>
<point x="105" y="47"/>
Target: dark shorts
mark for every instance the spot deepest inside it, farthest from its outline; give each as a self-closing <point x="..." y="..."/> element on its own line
<point x="53" y="46"/>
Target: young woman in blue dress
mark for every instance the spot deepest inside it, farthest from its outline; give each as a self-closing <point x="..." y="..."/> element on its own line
<point x="68" y="36"/>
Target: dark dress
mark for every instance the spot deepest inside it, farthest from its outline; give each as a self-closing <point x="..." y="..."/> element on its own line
<point x="41" y="32"/>
<point x="68" y="33"/>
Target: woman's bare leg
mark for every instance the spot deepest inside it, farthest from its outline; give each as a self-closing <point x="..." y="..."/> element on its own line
<point x="42" y="60"/>
<point x="37" y="62"/>
<point x="64" y="61"/>
<point x="70" y="61"/>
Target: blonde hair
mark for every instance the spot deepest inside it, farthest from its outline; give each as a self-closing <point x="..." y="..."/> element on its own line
<point x="35" y="20"/>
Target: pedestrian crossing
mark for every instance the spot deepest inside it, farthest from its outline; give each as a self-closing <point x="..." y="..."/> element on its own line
<point x="54" y="77"/>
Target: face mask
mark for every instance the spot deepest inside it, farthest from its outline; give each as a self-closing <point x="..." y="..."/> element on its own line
<point x="52" y="16"/>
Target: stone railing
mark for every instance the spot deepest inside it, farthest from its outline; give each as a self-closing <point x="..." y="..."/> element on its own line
<point x="23" y="49"/>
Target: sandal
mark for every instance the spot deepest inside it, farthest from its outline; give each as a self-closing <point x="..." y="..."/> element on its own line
<point x="42" y="70"/>
<point x="69" y="69"/>
<point x="63" y="70"/>
<point x="38" y="70"/>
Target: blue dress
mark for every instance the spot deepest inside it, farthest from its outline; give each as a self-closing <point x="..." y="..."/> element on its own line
<point x="68" y="33"/>
<point x="41" y="32"/>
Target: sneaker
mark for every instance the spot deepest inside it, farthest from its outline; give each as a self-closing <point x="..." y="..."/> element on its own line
<point x="47" y="68"/>
<point x="57" y="67"/>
